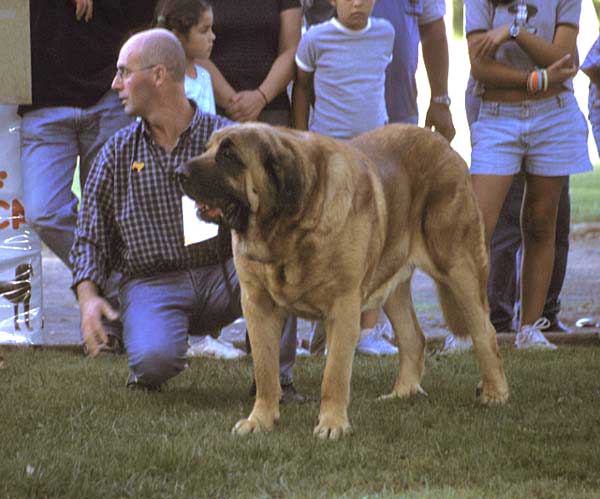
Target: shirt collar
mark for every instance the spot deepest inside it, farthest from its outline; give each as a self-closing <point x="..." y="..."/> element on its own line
<point x="348" y="31"/>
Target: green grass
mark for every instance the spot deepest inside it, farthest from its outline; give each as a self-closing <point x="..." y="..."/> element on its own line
<point x="80" y="433"/>
<point x="585" y="196"/>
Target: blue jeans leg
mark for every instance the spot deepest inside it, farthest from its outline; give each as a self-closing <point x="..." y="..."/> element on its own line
<point x="156" y="315"/>
<point x="98" y="124"/>
<point x="48" y="157"/>
<point x="51" y="140"/>
<point x="220" y="309"/>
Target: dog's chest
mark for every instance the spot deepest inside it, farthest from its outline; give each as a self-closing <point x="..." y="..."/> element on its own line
<point x="283" y="283"/>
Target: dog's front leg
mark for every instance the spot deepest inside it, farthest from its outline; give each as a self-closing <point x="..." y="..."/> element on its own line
<point x="342" y="327"/>
<point x="264" y="321"/>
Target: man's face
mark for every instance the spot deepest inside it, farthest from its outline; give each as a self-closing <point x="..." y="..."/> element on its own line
<point x="133" y="82"/>
<point x="353" y="14"/>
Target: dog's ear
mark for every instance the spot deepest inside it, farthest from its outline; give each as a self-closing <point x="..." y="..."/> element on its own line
<point x="281" y="166"/>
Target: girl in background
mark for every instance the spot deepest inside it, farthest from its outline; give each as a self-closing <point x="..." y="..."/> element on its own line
<point x="191" y="21"/>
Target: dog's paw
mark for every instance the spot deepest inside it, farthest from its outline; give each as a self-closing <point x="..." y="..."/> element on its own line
<point x="245" y="426"/>
<point x="404" y="391"/>
<point x="254" y="425"/>
<point x="331" y="428"/>
<point x="490" y="396"/>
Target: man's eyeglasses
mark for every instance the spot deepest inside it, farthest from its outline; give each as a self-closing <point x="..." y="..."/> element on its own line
<point x="124" y="72"/>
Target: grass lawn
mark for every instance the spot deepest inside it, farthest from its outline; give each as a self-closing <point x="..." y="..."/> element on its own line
<point x="585" y="196"/>
<point x="69" y="428"/>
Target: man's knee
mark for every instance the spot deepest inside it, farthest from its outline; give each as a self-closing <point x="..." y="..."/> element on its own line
<point x="154" y="364"/>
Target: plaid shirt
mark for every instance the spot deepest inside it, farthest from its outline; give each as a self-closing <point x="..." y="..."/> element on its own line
<point x="130" y="218"/>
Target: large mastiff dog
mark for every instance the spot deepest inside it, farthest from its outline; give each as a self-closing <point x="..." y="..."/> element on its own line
<point x="323" y="229"/>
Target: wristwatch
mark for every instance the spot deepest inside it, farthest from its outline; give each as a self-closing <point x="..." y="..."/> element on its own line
<point x="514" y="30"/>
<point x="442" y="99"/>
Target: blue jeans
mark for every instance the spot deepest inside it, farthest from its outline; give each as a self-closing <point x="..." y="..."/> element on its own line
<point x="51" y="140"/>
<point x="159" y="312"/>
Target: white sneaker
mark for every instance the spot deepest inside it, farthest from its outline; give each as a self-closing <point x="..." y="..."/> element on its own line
<point x="530" y="336"/>
<point x="373" y="342"/>
<point x="452" y="344"/>
<point x="207" y="346"/>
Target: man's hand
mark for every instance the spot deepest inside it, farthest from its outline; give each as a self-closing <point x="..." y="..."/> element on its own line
<point x="93" y="307"/>
<point x="439" y="118"/>
<point x="83" y="9"/>
<point x="245" y="105"/>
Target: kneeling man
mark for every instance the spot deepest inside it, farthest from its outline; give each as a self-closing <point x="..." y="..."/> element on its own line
<point x="131" y="222"/>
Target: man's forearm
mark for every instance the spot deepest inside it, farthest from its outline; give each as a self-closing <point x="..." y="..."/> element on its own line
<point x="435" y="55"/>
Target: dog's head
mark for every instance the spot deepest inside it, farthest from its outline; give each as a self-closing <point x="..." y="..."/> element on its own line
<point x="248" y="171"/>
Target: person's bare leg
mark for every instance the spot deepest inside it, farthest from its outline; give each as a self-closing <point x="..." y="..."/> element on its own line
<point x="490" y="191"/>
<point x="538" y="225"/>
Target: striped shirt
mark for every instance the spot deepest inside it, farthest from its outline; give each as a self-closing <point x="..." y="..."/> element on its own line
<point x="130" y="218"/>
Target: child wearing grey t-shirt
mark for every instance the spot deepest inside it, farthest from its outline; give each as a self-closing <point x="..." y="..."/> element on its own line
<point x="344" y="61"/>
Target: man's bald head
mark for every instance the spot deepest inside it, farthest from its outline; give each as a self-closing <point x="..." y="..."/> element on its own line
<point x="158" y="46"/>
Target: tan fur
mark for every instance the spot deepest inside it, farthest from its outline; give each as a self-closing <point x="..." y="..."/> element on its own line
<point x="367" y="214"/>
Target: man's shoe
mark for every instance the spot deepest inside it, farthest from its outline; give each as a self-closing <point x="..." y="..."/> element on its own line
<point x="556" y="326"/>
<point x="452" y="344"/>
<point x="530" y="336"/>
<point x="289" y="395"/>
<point x="373" y="342"/>
<point x="133" y="384"/>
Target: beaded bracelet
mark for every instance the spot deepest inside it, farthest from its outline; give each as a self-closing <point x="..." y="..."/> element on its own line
<point x="537" y="81"/>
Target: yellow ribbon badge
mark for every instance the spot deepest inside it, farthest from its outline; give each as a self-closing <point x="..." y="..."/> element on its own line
<point x="137" y="165"/>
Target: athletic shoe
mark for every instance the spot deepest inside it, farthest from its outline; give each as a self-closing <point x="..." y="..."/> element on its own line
<point x="373" y="342"/>
<point x="207" y="346"/>
<point x="452" y="344"/>
<point x="530" y="336"/>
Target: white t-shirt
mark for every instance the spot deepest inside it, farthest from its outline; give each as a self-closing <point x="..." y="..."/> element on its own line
<point x="200" y="90"/>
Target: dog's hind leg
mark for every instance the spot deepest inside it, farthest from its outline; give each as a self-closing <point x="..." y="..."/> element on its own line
<point x="342" y="329"/>
<point x="464" y="304"/>
<point x="410" y="341"/>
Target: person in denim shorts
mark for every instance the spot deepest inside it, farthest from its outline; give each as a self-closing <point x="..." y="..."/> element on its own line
<point x="522" y="57"/>
<point x="591" y="67"/>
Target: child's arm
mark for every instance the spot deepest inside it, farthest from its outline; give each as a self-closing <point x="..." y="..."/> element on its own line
<point x="301" y="97"/>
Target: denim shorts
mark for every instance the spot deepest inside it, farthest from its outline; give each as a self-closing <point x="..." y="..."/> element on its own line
<point x="547" y="137"/>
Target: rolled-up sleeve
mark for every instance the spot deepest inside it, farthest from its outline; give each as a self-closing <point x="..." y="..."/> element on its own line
<point x="432" y="11"/>
<point x="95" y="231"/>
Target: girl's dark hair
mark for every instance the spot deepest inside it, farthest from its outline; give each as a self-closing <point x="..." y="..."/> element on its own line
<point x="179" y="15"/>
<point x="495" y="3"/>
